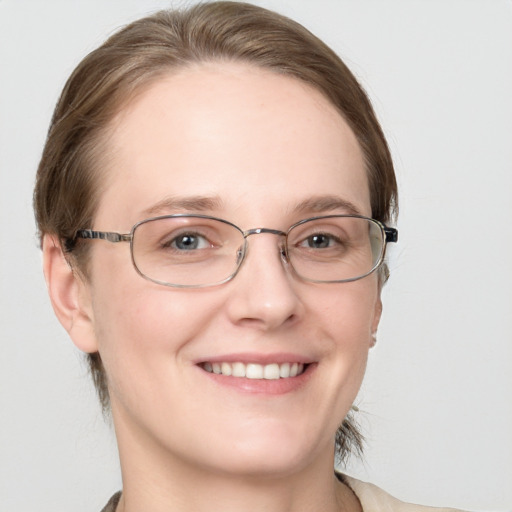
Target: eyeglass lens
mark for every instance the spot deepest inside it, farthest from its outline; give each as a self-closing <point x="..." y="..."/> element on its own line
<point x="197" y="251"/>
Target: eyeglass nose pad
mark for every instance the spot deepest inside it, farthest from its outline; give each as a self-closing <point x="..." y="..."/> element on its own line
<point x="284" y="253"/>
<point x="239" y="255"/>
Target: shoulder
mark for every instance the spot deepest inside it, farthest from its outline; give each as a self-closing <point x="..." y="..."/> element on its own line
<point x="374" y="499"/>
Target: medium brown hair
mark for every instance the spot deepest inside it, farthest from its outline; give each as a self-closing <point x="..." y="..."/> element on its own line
<point x="69" y="178"/>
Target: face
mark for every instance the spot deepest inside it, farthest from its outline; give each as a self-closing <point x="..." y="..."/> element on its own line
<point x="259" y="150"/>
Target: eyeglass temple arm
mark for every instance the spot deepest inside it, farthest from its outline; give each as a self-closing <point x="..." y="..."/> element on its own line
<point x="103" y="235"/>
<point x="70" y="243"/>
<point x="391" y="234"/>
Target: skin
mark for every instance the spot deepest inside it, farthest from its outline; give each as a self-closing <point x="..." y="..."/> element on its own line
<point x="259" y="144"/>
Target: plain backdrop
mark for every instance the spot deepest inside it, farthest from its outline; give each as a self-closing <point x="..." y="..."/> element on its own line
<point x="436" y="406"/>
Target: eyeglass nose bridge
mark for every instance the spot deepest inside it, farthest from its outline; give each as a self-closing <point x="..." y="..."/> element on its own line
<point x="257" y="231"/>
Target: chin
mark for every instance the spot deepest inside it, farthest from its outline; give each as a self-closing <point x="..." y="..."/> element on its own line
<point x="261" y="466"/>
<point x="270" y="454"/>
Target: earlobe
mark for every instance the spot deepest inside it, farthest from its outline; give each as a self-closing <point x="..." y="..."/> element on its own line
<point x="69" y="295"/>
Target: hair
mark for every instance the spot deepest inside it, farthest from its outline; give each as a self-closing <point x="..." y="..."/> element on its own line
<point x="68" y="183"/>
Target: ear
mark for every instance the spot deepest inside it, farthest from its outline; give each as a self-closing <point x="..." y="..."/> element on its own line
<point x="69" y="295"/>
<point x="376" y="319"/>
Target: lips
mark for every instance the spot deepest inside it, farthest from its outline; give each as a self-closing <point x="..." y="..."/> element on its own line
<point x="270" y="371"/>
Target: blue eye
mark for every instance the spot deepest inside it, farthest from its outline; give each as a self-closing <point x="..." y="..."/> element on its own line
<point x="188" y="242"/>
<point x="319" y="241"/>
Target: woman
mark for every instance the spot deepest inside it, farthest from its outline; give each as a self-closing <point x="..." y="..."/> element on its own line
<point x="213" y="202"/>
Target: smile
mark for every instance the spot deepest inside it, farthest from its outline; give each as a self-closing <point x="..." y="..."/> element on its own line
<point x="271" y="371"/>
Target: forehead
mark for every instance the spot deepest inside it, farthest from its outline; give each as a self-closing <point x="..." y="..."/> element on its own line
<point x="247" y="136"/>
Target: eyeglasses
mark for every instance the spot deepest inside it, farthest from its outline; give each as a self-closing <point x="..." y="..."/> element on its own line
<point x="195" y="251"/>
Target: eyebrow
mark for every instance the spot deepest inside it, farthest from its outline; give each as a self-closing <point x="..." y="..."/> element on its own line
<point x="189" y="203"/>
<point x="316" y="204"/>
<point x="324" y="204"/>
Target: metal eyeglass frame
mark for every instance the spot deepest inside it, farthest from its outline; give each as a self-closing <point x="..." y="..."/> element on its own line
<point x="390" y="235"/>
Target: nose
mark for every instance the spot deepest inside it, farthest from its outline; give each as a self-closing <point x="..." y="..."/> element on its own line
<point x="264" y="292"/>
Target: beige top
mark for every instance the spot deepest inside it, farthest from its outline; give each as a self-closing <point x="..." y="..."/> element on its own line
<point x="371" y="497"/>
<point x="374" y="499"/>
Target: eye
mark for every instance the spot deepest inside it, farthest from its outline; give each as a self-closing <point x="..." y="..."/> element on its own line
<point x="188" y="242"/>
<point x="320" y="241"/>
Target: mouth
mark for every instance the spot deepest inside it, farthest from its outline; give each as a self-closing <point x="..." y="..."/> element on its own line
<point x="272" y="371"/>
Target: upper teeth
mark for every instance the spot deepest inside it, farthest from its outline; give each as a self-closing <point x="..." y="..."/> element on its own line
<point x="256" y="371"/>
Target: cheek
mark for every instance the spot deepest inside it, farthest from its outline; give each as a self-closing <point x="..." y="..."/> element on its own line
<point x="141" y="328"/>
<point x="350" y="311"/>
<point x="348" y="317"/>
<point x="341" y="316"/>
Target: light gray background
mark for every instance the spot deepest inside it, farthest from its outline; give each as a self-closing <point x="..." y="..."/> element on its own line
<point x="436" y="406"/>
